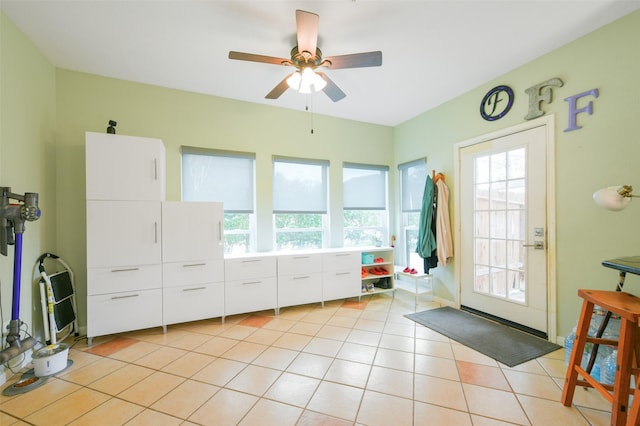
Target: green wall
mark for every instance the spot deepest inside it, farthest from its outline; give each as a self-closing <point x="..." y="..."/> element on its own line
<point x="27" y="161"/>
<point x="87" y="102"/>
<point x="604" y="152"/>
<point x="45" y="112"/>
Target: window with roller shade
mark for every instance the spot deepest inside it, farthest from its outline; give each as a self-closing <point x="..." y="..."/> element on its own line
<point x="300" y="194"/>
<point x="229" y="177"/>
<point x="412" y="180"/>
<point x="365" y="210"/>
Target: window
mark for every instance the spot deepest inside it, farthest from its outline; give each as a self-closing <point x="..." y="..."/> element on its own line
<point x="299" y="203"/>
<point x="214" y="175"/>
<point x="365" y="204"/>
<point x="412" y="180"/>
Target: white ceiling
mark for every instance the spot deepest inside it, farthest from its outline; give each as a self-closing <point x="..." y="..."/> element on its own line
<point x="432" y="51"/>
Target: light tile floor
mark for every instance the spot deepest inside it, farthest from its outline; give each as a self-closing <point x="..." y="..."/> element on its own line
<point x="348" y="363"/>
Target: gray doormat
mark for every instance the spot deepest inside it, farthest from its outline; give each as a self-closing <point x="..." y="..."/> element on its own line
<point x="500" y="342"/>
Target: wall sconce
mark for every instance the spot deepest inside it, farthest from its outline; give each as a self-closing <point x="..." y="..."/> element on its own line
<point x="614" y="198"/>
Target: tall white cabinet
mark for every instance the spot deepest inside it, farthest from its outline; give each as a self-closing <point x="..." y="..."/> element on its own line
<point x="192" y="261"/>
<point x="125" y="185"/>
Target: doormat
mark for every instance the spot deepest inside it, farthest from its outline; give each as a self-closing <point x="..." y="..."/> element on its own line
<point x="498" y="341"/>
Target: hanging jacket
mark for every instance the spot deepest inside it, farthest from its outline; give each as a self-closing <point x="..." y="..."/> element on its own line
<point x="443" y="225"/>
<point x="426" y="237"/>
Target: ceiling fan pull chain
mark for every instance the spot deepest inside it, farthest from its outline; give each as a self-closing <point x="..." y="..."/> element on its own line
<point x="310" y="111"/>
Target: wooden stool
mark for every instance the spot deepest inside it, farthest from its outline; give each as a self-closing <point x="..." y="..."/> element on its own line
<point x="628" y="307"/>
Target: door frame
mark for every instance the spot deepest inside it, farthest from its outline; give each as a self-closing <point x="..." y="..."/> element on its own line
<point x="548" y="122"/>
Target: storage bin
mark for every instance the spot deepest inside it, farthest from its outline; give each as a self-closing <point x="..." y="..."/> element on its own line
<point x="367" y="258"/>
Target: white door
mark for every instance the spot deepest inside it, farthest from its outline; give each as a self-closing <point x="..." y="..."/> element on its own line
<point x="503" y="233"/>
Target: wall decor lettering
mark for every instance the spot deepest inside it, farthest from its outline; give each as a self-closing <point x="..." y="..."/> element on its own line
<point x="540" y="93"/>
<point x="496" y="103"/>
<point x="574" y="110"/>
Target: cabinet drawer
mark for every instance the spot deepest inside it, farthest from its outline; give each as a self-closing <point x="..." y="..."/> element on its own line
<point x="126" y="278"/>
<point x="249" y="268"/>
<point x="341" y="285"/>
<point x="115" y="313"/>
<point x="342" y="260"/>
<point x="299" y="264"/>
<point x="299" y="289"/>
<point x="192" y="302"/>
<point x="250" y="295"/>
<point x="184" y="273"/>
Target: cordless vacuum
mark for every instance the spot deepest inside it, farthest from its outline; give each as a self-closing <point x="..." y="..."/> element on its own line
<point x="12" y="219"/>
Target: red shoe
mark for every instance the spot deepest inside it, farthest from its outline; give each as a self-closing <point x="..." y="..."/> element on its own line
<point x="378" y="260"/>
<point x="383" y="271"/>
<point x="406" y="270"/>
<point x="413" y="271"/>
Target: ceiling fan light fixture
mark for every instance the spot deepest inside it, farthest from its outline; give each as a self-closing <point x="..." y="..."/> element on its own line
<point x="311" y="82"/>
<point x="294" y="80"/>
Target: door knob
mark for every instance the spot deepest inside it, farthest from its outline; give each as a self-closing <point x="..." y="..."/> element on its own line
<point x="538" y="245"/>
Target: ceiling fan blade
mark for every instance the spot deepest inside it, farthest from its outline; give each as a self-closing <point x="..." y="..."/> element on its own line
<point x="258" y="58"/>
<point x="307" y="30"/>
<point x="331" y="89"/>
<point x="278" y="90"/>
<point x="355" y="60"/>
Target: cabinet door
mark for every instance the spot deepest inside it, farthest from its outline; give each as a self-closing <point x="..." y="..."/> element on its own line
<point x="341" y="285"/>
<point x="299" y="289"/>
<point x="192" y="231"/>
<point x="118" y="312"/>
<point x="247" y="268"/>
<point x="193" y="302"/>
<point x="121" y="233"/>
<point x="124" y="167"/>
<point x="250" y="295"/>
<point x="340" y="260"/>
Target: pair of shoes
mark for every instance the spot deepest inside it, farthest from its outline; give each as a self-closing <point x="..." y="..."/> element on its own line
<point x="378" y="260"/>
<point x="378" y="271"/>
<point x="409" y="270"/>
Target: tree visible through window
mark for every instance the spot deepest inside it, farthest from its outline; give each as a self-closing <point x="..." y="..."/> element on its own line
<point x="365" y="204"/>
<point x="299" y="203"/>
<point x="214" y="175"/>
<point x="412" y="180"/>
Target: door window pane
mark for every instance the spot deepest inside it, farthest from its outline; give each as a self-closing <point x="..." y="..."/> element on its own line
<point x="500" y="223"/>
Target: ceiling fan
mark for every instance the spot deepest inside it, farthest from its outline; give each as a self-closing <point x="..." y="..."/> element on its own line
<point x="306" y="57"/>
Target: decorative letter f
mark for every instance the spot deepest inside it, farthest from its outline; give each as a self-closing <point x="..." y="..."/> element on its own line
<point x="538" y="93"/>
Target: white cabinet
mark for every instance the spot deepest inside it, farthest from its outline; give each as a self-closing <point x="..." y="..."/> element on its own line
<point x="193" y="261"/>
<point x="299" y="279"/>
<point x="122" y="167"/>
<point x="250" y="284"/>
<point x="377" y="270"/>
<point x="123" y="233"/>
<point x="341" y="275"/>
<point x="125" y="187"/>
<point x="192" y="231"/>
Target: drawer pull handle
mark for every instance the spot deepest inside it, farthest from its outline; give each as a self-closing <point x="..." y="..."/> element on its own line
<point x="301" y="257"/>
<point x="301" y="278"/>
<point x="194" y="289"/>
<point x="193" y="264"/>
<point x="125" y="270"/>
<point x="251" y="282"/>
<point x="343" y="273"/>
<point x="343" y="254"/>
<point x="125" y="297"/>
<point x="252" y="260"/>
